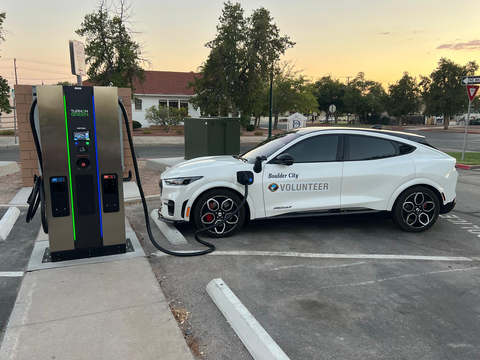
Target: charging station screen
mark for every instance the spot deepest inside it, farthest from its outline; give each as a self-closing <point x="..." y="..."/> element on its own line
<point x="81" y="135"/>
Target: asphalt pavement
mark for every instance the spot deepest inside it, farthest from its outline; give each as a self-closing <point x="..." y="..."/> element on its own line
<point x="14" y="256"/>
<point x="365" y="298"/>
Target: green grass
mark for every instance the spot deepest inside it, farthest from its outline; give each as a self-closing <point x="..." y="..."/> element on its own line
<point x="7" y="132"/>
<point x="471" y="158"/>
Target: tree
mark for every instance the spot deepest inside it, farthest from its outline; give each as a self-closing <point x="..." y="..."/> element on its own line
<point x="4" y="88"/>
<point x="364" y="96"/>
<point x="165" y="116"/>
<point x="111" y="53"/>
<point x="442" y="91"/>
<point x="292" y="92"/>
<point x="404" y="98"/>
<point x="242" y="56"/>
<point x="330" y="91"/>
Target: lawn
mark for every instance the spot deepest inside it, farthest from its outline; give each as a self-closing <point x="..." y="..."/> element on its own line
<point x="471" y="158"/>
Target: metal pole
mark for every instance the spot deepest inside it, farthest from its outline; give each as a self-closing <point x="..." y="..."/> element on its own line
<point x="79" y="80"/>
<point x="15" y="118"/>
<point x="466" y="130"/>
<point x="270" y="107"/>
<point x="15" y="67"/>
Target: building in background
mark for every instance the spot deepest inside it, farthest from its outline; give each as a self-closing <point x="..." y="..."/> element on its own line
<point x="167" y="88"/>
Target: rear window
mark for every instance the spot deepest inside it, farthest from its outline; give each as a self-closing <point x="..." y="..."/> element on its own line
<point x="370" y="148"/>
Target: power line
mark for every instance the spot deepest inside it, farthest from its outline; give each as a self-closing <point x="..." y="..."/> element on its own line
<point x="37" y="62"/>
<point x="45" y="71"/>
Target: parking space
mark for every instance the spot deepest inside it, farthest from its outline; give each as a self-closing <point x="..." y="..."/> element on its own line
<point x="348" y="288"/>
<point x="14" y="256"/>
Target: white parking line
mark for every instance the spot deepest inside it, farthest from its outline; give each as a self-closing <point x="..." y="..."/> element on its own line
<point x="336" y="256"/>
<point x="11" y="273"/>
<point x="398" y="277"/>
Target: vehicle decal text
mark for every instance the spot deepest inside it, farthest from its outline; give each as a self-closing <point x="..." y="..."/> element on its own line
<point x="283" y="176"/>
<point x="317" y="186"/>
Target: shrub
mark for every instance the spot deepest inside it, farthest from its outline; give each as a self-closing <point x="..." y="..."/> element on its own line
<point x="250" y="127"/>
<point x="258" y="133"/>
<point x="245" y="120"/>
<point x="136" y="125"/>
<point x="180" y="132"/>
<point x="7" y="132"/>
<point x="241" y="133"/>
<point x="146" y="132"/>
<point x="385" y="120"/>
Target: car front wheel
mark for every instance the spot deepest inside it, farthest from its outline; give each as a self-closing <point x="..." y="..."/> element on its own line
<point x="416" y="209"/>
<point x="214" y="206"/>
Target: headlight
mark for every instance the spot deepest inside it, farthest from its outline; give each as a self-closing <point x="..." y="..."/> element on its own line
<point x="182" y="180"/>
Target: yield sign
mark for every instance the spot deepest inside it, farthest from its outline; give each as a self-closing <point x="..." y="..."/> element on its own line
<point x="472" y="91"/>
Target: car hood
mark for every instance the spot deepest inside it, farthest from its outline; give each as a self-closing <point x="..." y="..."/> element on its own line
<point x="208" y="165"/>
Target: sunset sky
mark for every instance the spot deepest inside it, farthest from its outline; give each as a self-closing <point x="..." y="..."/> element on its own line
<point x="342" y="37"/>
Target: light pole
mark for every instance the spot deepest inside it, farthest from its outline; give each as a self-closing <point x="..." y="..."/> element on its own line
<point x="270" y="107"/>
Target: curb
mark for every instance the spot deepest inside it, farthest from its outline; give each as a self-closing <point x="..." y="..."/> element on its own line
<point x="7" y="222"/>
<point x="173" y="236"/>
<point x="138" y="199"/>
<point x="257" y="341"/>
<point x="468" y="167"/>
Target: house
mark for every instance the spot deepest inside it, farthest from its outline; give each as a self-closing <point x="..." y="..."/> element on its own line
<point x="166" y="88"/>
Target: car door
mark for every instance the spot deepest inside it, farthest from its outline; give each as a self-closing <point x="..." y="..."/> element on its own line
<point x="312" y="183"/>
<point x="374" y="168"/>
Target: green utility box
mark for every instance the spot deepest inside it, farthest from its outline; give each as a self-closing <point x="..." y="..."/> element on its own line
<point x="211" y="136"/>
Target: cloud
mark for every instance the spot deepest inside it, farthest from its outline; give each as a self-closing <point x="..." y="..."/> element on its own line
<point x="386" y="33"/>
<point x="471" y="45"/>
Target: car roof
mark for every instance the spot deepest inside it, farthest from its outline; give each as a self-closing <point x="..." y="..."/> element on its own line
<point x="403" y="135"/>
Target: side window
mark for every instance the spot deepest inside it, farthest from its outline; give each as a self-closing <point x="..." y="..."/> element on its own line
<point x="138" y="104"/>
<point x="405" y="149"/>
<point x="370" y="148"/>
<point x="319" y="148"/>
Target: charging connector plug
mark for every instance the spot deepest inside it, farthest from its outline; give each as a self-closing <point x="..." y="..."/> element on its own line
<point x="245" y="177"/>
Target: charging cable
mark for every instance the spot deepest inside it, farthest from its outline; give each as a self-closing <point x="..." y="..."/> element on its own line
<point x="37" y="195"/>
<point x="210" y="246"/>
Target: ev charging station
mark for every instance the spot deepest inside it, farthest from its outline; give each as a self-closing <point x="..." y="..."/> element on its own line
<point x="82" y="170"/>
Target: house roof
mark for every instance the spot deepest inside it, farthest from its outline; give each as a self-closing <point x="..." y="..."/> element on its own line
<point x="163" y="83"/>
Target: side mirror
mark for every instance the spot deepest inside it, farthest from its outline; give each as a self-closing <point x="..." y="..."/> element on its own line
<point x="284" y="159"/>
<point x="257" y="167"/>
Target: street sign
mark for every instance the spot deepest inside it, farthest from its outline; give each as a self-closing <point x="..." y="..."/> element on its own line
<point x="77" y="58"/>
<point x="332" y="108"/>
<point x="469" y="80"/>
<point x="472" y="91"/>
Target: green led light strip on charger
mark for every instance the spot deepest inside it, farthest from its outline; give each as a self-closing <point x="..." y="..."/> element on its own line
<point x="69" y="168"/>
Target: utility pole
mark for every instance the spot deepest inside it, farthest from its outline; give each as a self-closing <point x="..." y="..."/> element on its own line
<point x="15" y="67"/>
<point x="348" y="114"/>
<point x="14" y="102"/>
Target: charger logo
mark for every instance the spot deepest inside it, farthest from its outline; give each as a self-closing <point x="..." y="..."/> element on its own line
<point x="78" y="112"/>
<point x="273" y="187"/>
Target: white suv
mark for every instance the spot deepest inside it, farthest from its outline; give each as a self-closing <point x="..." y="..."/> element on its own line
<point x="313" y="172"/>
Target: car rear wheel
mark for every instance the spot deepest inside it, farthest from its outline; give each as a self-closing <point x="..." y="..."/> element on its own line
<point x="214" y="206"/>
<point x="416" y="209"/>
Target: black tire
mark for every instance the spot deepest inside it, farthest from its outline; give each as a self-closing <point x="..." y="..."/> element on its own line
<point x="205" y="213"/>
<point x="416" y="209"/>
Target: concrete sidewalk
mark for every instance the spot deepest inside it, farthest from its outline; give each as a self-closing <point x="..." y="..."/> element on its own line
<point x="98" y="308"/>
<point x="8" y="142"/>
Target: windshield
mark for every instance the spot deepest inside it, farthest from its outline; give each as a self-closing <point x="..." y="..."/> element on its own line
<point x="269" y="146"/>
